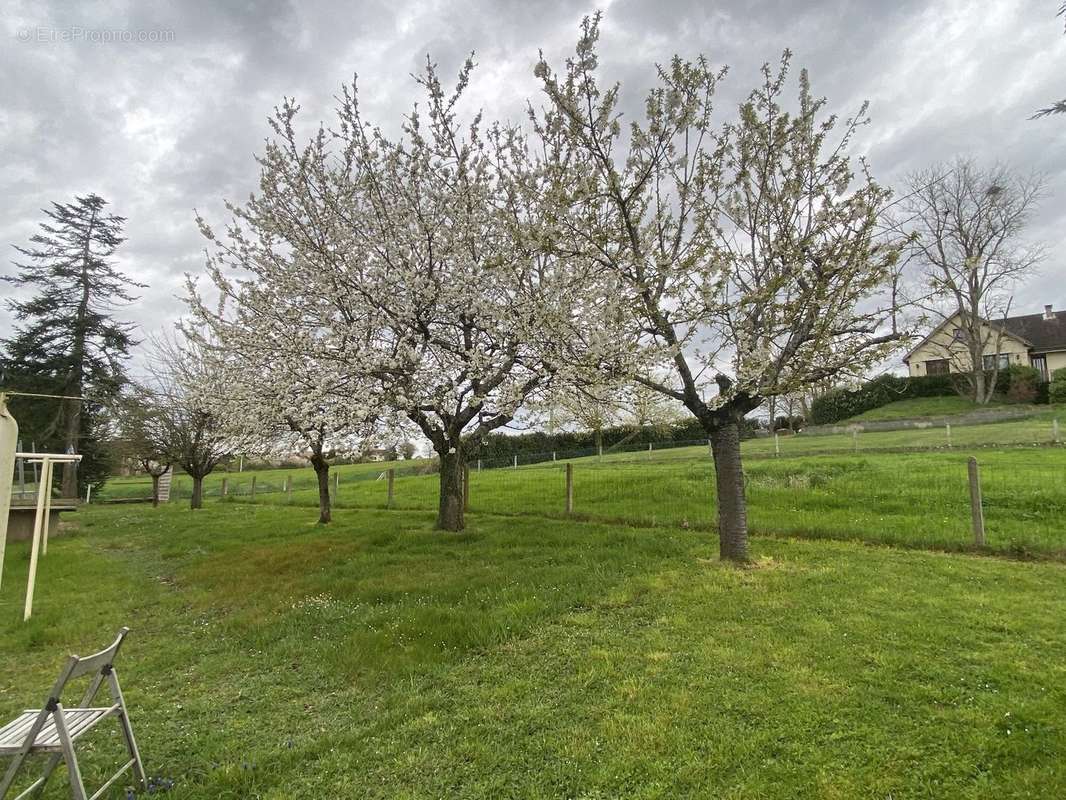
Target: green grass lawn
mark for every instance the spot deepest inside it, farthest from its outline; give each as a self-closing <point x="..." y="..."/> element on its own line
<point x="908" y="499"/>
<point x="925" y="407"/>
<point x="526" y="658"/>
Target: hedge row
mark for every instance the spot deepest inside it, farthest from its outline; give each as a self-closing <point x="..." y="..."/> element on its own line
<point x="840" y="404"/>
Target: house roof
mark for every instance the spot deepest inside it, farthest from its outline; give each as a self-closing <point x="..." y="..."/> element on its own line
<point x="1041" y="334"/>
<point x="1038" y="332"/>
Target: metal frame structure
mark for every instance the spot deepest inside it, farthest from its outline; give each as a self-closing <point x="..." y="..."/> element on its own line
<point x="41" y="522"/>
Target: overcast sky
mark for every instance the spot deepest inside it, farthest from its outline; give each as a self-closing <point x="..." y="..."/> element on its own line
<point x="169" y="124"/>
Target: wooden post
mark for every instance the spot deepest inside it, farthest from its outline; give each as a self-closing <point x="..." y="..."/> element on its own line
<point x="253" y="487"/>
<point x="777" y="445"/>
<point x="336" y="486"/>
<point x="977" y="511"/>
<point x="569" y="488"/>
<point x="466" y="488"/>
<point x="516" y="462"/>
<point x="390" y="480"/>
<point x="288" y="488"/>
<point x="479" y="465"/>
<point x="225" y="487"/>
<point x="88" y="493"/>
<point x="947" y="427"/>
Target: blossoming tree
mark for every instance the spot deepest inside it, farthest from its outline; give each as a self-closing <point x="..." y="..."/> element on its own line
<point x="281" y="393"/>
<point x="745" y="256"/>
<point x="416" y="263"/>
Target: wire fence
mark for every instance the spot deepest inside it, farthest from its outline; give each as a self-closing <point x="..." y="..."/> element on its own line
<point x="917" y="499"/>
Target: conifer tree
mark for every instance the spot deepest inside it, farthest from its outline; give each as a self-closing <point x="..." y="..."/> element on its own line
<point x="67" y="342"/>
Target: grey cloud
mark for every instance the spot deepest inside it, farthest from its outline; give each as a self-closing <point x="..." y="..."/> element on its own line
<point x="163" y="128"/>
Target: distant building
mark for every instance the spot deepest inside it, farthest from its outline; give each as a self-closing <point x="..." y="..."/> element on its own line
<point x="1037" y="340"/>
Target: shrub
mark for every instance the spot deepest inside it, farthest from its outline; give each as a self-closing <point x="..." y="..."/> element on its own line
<point x="1021" y="383"/>
<point x="1057" y="391"/>
<point x="1058" y="375"/>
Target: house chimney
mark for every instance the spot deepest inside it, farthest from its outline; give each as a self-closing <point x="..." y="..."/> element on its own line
<point x="1048" y="313"/>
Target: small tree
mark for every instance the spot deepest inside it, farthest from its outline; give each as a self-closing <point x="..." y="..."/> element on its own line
<point x="70" y="344"/>
<point x="138" y="433"/>
<point x="966" y="230"/>
<point x="182" y="401"/>
<point x="280" y="391"/>
<point x="744" y="259"/>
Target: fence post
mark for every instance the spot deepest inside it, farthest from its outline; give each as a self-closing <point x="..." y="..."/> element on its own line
<point x="569" y="488"/>
<point x="516" y="462"/>
<point x="466" y="488"/>
<point x="649" y="447"/>
<point x="336" y="486"/>
<point x="288" y="488"/>
<point x="88" y="493"/>
<point x="253" y="487"/>
<point x="977" y="512"/>
<point x="777" y="445"/>
<point x="390" y="479"/>
<point x="225" y="487"/>
<point x="1055" y="430"/>
<point x="479" y="465"/>
<point x="947" y="427"/>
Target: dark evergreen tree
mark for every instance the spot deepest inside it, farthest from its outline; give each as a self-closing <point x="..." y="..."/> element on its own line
<point x="67" y="341"/>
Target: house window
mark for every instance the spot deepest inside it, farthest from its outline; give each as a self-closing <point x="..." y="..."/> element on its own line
<point x="990" y="361"/>
<point x="959" y="335"/>
<point x="937" y="366"/>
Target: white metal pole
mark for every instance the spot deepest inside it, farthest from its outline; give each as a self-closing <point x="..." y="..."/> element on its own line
<point x="36" y="546"/>
<point x="9" y="432"/>
<point x="88" y="493"/>
<point x="47" y="468"/>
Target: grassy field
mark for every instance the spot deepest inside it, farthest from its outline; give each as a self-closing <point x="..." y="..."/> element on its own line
<point x="924" y="407"/>
<point x="273" y="658"/>
<point x="908" y="499"/>
<point x="1036" y="430"/>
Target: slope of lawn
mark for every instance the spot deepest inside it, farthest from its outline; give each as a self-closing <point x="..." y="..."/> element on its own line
<point x="272" y="658"/>
<point x="1036" y="430"/>
<point x="927" y="407"/>
<point x="909" y="499"/>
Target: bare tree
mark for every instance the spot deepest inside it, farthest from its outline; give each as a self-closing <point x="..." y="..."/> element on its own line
<point x="966" y="230"/>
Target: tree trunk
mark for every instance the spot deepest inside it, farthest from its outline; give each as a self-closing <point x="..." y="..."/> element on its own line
<point x="450" y="515"/>
<point x="732" y="506"/>
<point x="71" y="435"/>
<point x="325" y="509"/>
<point x="155" y="491"/>
<point x="197" y="499"/>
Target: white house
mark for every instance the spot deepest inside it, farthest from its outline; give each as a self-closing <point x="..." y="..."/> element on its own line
<point x="1037" y="340"/>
